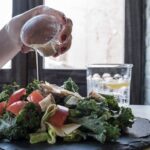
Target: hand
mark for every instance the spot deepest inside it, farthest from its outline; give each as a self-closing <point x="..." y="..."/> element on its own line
<point x="15" y="25"/>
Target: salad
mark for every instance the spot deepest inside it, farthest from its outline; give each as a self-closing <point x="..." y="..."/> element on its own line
<point x="44" y="112"/>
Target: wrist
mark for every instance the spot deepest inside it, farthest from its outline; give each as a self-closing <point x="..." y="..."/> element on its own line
<point x="8" y="48"/>
<point x="9" y="38"/>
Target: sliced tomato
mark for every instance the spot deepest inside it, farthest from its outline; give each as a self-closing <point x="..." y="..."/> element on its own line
<point x="35" y="97"/>
<point x="2" y="107"/>
<point x="59" y="117"/>
<point x="16" y="107"/>
<point x="16" y="96"/>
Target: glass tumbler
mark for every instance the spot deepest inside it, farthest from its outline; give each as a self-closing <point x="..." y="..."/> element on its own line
<point x="110" y="79"/>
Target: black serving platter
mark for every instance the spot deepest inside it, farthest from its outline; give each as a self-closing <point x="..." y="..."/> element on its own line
<point x="138" y="138"/>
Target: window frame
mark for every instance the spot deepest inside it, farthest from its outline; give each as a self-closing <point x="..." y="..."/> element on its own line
<point x="135" y="25"/>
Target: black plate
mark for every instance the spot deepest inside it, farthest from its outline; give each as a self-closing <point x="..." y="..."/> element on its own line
<point x="137" y="139"/>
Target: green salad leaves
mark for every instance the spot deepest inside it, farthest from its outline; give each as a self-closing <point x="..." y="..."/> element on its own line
<point x="73" y="118"/>
<point x="103" y="120"/>
<point x="19" y="127"/>
<point x="7" y="90"/>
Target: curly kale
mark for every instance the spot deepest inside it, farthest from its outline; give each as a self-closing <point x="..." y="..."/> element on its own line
<point x="9" y="129"/>
<point x="70" y="85"/>
<point x="98" y="120"/>
<point x="8" y="90"/>
<point x="32" y="86"/>
<point x="125" y="118"/>
<point x="30" y="117"/>
<point x="112" y="132"/>
<point x="111" y="102"/>
<point x="19" y="127"/>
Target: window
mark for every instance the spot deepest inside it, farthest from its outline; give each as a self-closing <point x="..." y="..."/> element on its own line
<point x="98" y="33"/>
<point x="5" y="16"/>
<point x="98" y="37"/>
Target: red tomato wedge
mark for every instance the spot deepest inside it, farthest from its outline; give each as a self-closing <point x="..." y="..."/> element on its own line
<point x="35" y="97"/>
<point x="16" y="107"/>
<point x="16" y="96"/>
<point x="59" y="117"/>
<point x="2" y="107"/>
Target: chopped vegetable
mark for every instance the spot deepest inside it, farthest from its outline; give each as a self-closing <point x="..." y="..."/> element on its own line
<point x="35" y="97"/>
<point x="32" y="86"/>
<point x="38" y="137"/>
<point x="16" y="96"/>
<point x="69" y="128"/>
<point x="7" y="91"/>
<point x="16" y="107"/>
<point x="66" y="129"/>
<point x="49" y="136"/>
<point x="2" y="107"/>
<point x="44" y="103"/>
<point x="51" y="109"/>
<point x="52" y="134"/>
<point x="59" y="117"/>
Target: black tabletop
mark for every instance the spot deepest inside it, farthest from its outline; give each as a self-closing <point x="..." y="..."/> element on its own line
<point x="137" y="139"/>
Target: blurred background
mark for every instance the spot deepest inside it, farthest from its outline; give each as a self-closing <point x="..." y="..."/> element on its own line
<point x="104" y="31"/>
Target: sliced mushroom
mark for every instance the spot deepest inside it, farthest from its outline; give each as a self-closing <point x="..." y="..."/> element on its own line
<point x="66" y="129"/>
<point x="96" y="96"/>
<point x="54" y="89"/>
<point x="46" y="102"/>
<point x="71" y="100"/>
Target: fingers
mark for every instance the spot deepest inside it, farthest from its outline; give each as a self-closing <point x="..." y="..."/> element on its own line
<point x="63" y="36"/>
<point x="42" y="10"/>
<point x="66" y="45"/>
<point x="61" y="49"/>
<point x="66" y="31"/>
<point x="59" y="15"/>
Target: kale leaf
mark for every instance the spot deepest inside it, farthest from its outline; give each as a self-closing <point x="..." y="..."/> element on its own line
<point x="8" y="90"/>
<point x="9" y="129"/>
<point x="111" y="102"/>
<point x="125" y="118"/>
<point x="30" y="117"/>
<point x="70" y="85"/>
<point x="32" y="86"/>
<point x="103" y="120"/>
<point x="19" y="127"/>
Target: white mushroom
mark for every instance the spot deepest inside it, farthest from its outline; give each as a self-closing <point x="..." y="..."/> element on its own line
<point x="60" y="91"/>
<point x="49" y="99"/>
